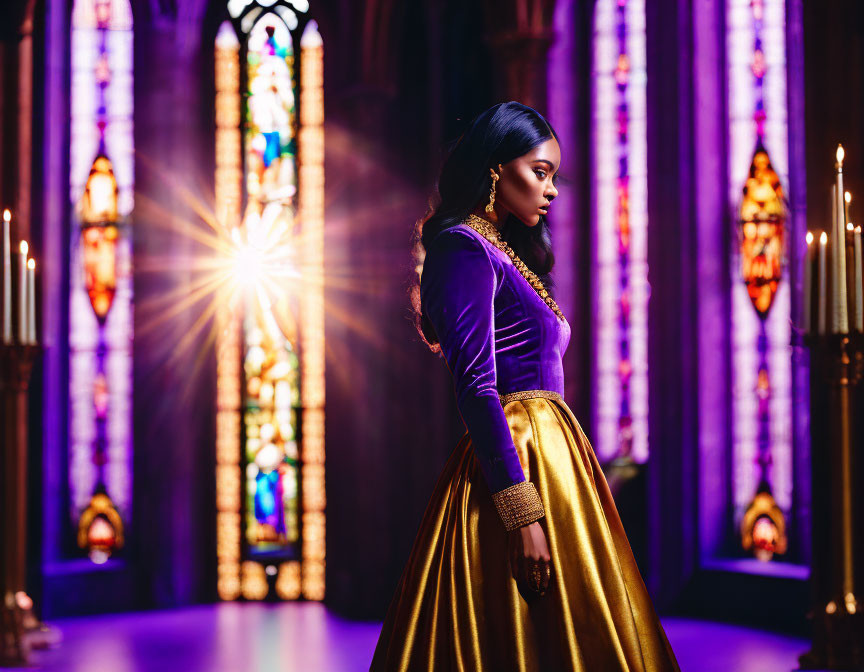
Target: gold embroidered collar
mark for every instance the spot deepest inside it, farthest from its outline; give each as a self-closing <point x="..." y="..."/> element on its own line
<point x="488" y="230"/>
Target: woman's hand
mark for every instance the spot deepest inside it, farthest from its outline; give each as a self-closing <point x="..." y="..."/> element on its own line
<point x="530" y="557"/>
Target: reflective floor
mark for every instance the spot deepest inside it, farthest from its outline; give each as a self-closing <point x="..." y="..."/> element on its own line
<point x="306" y="637"/>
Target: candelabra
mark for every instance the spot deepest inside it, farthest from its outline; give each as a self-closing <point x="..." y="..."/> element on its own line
<point x="16" y="364"/>
<point x="833" y="329"/>
<point x="837" y="567"/>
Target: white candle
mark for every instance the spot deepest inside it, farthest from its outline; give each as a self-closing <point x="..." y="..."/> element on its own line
<point x="823" y="282"/>
<point x="22" y="291"/>
<point x="832" y="257"/>
<point x="840" y="308"/>
<point x="7" y="278"/>
<point x="808" y="282"/>
<point x="31" y="301"/>
<point x="859" y="293"/>
<point x="849" y="251"/>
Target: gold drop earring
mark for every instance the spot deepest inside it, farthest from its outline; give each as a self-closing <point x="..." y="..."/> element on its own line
<point x="490" y="206"/>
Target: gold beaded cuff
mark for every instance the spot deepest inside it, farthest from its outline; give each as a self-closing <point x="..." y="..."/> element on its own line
<point x="518" y="505"/>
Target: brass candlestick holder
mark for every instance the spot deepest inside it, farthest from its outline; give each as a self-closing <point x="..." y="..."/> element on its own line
<point x="16" y="365"/>
<point x="837" y="568"/>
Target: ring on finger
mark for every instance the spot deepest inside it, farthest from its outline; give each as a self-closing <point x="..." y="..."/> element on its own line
<point x="537" y="576"/>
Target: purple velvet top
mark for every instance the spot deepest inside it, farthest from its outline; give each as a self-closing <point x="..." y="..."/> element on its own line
<point x="497" y="335"/>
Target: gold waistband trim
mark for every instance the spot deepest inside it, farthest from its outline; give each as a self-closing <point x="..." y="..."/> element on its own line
<point x="529" y="394"/>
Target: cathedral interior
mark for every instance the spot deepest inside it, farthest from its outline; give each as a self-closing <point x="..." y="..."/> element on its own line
<point x="220" y="425"/>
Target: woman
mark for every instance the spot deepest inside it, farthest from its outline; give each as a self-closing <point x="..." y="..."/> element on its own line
<point x="521" y="562"/>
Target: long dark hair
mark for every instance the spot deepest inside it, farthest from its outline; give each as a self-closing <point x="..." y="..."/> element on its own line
<point x="500" y="134"/>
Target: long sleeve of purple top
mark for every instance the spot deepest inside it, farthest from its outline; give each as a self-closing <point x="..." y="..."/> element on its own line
<point x="458" y="288"/>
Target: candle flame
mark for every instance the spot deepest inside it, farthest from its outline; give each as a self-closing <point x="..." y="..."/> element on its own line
<point x="31" y="263"/>
<point x="840" y="154"/>
<point x="857" y="229"/>
<point x="7" y="215"/>
<point x="23" y="247"/>
<point x="848" y="197"/>
<point x="809" y="237"/>
<point x="849" y="226"/>
<point x="823" y="239"/>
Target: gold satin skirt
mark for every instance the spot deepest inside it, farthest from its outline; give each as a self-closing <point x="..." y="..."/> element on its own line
<point x="457" y="605"/>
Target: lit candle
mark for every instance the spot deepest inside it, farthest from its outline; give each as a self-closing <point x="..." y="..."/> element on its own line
<point x="22" y="291"/>
<point x="823" y="281"/>
<point x="7" y="278"/>
<point x="839" y="307"/>
<point x="31" y="301"/>
<point x="808" y="282"/>
<point x="847" y="198"/>
<point x="859" y="293"/>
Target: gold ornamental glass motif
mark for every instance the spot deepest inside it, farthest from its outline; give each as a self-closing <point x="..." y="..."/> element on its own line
<point x="762" y="223"/>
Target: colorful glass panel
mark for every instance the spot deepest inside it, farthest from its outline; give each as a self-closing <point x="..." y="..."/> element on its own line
<point x="101" y="183"/>
<point x="620" y="216"/>
<point x="761" y="353"/>
<point x="271" y="364"/>
<point x="265" y="140"/>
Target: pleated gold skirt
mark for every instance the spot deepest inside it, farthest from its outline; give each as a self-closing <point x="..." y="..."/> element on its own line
<point x="457" y="605"/>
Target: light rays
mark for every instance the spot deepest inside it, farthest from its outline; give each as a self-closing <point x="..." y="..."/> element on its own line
<point x="214" y="264"/>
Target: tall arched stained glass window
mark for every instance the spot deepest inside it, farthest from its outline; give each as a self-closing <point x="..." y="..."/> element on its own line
<point x="270" y="350"/>
<point x="620" y="216"/>
<point x="101" y="185"/>
<point x="761" y="301"/>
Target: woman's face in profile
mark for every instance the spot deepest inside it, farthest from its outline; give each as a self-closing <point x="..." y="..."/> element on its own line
<point x="525" y="188"/>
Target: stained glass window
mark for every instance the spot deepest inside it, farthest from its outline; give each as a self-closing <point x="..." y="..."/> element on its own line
<point x="269" y="194"/>
<point x="620" y="217"/>
<point x="761" y="299"/>
<point x="101" y="182"/>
